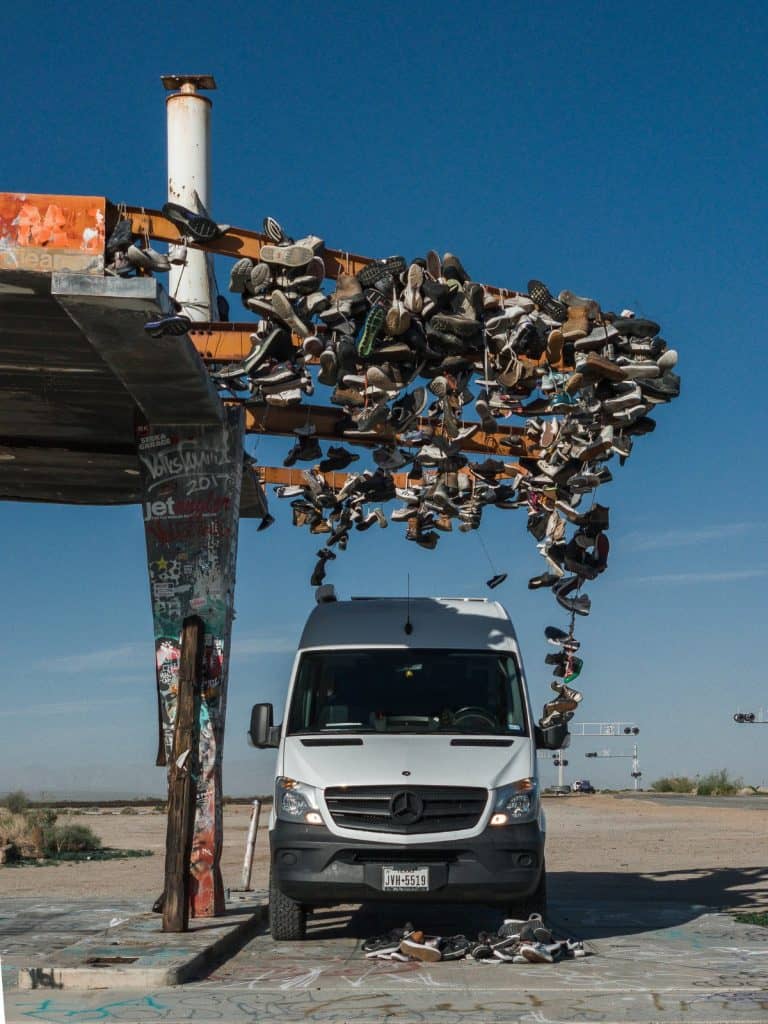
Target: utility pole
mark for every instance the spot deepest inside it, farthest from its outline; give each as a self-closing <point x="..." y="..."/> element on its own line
<point x="617" y="728"/>
<point x="635" y="773"/>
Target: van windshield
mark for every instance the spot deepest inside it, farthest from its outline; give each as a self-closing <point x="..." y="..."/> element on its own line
<point x="408" y="691"/>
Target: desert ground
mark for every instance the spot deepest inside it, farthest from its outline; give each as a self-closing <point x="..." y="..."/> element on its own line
<point x="693" y="844"/>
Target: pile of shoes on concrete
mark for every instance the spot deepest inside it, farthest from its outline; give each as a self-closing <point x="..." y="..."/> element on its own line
<point x="517" y="942"/>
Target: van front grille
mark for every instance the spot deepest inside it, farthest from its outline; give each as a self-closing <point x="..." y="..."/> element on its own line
<point x="406" y="810"/>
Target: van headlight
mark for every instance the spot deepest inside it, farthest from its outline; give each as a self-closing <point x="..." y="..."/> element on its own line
<point x="296" y="801"/>
<point x="515" y="803"/>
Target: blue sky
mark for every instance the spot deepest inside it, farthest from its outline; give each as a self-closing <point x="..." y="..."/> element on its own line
<point x="615" y="149"/>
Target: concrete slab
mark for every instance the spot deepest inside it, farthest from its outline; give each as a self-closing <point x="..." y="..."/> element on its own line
<point x="666" y="962"/>
<point x="165" y="376"/>
<point x="87" y="945"/>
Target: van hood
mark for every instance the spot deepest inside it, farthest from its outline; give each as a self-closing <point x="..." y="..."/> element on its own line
<point x="384" y="760"/>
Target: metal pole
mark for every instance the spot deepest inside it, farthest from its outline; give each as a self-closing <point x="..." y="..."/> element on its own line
<point x="250" y="845"/>
<point x="560" y="756"/>
<point x="635" y="767"/>
<point x="189" y="145"/>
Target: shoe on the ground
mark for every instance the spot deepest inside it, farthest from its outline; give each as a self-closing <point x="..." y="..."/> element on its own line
<point x="420" y="947"/>
<point x="456" y="947"/>
<point x="573" y="948"/>
<point x="536" y="953"/>
<point x="534" y="930"/>
<point x="481" y="949"/>
<point x="379" y="944"/>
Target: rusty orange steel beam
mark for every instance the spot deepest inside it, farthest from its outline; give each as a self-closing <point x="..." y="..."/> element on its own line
<point x="271" y="420"/>
<point x="239" y="242"/>
<point x="288" y="477"/>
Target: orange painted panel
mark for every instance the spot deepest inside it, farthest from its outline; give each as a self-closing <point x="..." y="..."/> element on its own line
<point x="46" y="233"/>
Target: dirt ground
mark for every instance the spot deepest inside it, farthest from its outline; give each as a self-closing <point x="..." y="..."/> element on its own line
<point x="618" y="841"/>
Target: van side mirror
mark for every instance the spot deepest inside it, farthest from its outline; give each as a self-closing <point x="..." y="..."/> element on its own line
<point x="262" y="732"/>
<point x="554" y="737"/>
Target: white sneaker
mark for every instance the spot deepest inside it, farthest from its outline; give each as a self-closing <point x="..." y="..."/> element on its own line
<point x="284" y="398"/>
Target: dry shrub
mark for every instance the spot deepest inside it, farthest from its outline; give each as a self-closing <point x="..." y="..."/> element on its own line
<point x="26" y="836"/>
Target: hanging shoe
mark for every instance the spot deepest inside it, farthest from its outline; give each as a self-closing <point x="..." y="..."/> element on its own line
<point x="374" y="323"/>
<point x="546" y="302"/>
<point x="121" y="237"/>
<point x="274" y="232"/>
<point x="193" y="225"/>
<point x="175" y="325"/>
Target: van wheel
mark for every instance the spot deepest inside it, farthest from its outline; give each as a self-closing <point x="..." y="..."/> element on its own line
<point x="536" y="903"/>
<point x="287" y="918"/>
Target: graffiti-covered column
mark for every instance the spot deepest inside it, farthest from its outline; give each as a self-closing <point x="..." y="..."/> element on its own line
<point x="191" y="479"/>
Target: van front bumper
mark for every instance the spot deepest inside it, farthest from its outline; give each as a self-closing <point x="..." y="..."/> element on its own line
<point x="501" y="866"/>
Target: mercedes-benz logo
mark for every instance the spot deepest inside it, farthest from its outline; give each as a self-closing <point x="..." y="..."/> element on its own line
<point x="405" y="807"/>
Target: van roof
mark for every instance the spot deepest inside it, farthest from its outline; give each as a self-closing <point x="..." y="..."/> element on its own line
<point x="439" y="622"/>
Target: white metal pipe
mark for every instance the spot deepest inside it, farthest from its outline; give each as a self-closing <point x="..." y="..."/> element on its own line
<point x="250" y="845"/>
<point x="189" y="143"/>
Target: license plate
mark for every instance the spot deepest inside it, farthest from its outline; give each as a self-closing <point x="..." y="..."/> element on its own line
<point x="405" y="879"/>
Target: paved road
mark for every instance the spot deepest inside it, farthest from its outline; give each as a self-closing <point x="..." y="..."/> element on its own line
<point x="750" y="803"/>
<point x="652" y="960"/>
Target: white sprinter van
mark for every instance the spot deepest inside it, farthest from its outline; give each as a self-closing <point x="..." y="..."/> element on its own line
<point x="406" y="764"/>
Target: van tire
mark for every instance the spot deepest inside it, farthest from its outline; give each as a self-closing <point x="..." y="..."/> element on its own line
<point x="536" y="903"/>
<point x="287" y="918"/>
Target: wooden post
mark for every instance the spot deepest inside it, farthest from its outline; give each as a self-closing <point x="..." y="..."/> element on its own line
<point x="181" y="780"/>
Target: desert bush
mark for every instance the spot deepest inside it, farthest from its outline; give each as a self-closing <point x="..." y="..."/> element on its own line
<point x="36" y="834"/>
<point x="718" y="783"/>
<point x="25" y="835"/>
<point x="17" y="802"/>
<point x="70" y="839"/>
<point x="674" y="784"/>
<point x="13" y="829"/>
<point x="129" y="810"/>
<point x="43" y="817"/>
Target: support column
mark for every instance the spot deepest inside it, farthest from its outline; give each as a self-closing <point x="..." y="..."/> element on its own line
<point x="191" y="479"/>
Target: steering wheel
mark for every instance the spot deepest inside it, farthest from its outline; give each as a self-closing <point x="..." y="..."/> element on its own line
<point x="470" y="712"/>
